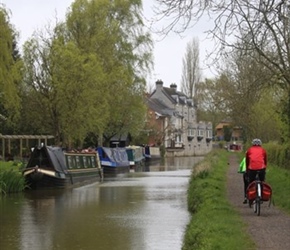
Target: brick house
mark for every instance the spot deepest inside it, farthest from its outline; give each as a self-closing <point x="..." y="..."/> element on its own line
<point x="236" y="131"/>
<point x="171" y="121"/>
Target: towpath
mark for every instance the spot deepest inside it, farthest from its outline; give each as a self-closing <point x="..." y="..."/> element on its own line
<point x="270" y="230"/>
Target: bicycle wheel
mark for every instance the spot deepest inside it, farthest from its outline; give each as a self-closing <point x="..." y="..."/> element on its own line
<point x="258" y="206"/>
<point x="258" y="198"/>
<point x="255" y="205"/>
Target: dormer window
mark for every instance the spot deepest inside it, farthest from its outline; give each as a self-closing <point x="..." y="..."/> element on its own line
<point x="190" y="133"/>
<point x="208" y="135"/>
<point x="200" y="134"/>
<point x="175" y="97"/>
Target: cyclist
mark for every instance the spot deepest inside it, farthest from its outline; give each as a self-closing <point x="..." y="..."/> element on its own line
<point x="256" y="160"/>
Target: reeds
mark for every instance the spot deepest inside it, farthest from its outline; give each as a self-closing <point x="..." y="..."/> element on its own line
<point x="11" y="178"/>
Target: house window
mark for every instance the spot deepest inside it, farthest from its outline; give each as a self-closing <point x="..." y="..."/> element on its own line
<point x="190" y="132"/>
<point x="200" y="133"/>
<point x="209" y="134"/>
<point x="178" y="139"/>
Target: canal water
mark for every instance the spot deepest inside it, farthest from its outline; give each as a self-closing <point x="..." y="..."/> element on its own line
<point x="137" y="211"/>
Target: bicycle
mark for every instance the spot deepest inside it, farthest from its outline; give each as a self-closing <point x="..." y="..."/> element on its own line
<point x="257" y="192"/>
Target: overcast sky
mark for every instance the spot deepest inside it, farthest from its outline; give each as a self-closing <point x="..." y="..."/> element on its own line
<point x="30" y="15"/>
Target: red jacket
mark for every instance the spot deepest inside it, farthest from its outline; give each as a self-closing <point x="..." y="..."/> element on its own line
<point x="256" y="158"/>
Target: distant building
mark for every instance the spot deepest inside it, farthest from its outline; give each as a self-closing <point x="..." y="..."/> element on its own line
<point x="171" y="122"/>
<point x="235" y="131"/>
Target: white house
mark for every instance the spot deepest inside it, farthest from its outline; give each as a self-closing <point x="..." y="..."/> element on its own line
<point x="183" y="135"/>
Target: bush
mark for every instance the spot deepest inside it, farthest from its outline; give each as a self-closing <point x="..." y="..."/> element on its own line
<point x="278" y="154"/>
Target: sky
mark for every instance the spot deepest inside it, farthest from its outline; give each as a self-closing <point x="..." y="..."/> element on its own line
<point x="31" y="15"/>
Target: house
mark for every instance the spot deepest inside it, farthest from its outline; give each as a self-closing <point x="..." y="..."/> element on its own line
<point x="171" y="122"/>
<point x="120" y="141"/>
<point x="235" y="131"/>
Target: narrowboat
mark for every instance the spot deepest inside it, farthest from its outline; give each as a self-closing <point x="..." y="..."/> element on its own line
<point x="152" y="154"/>
<point x="113" y="160"/>
<point x="136" y="156"/>
<point x="51" y="167"/>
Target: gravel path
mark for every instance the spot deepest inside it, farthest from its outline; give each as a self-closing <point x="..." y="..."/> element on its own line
<point x="270" y="230"/>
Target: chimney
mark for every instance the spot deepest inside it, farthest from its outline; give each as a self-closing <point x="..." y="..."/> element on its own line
<point x="159" y="84"/>
<point x="173" y="86"/>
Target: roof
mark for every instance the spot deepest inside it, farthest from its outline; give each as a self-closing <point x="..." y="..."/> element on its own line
<point x="221" y="125"/>
<point x="159" y="106"/>
<point x="49" y="156"/>
<point x="26" y="136"/>
<point x="115" y="155"/>
<point x="119" y="137"/>
<point x="224" y="124"/>
<point x="174" y="94"/>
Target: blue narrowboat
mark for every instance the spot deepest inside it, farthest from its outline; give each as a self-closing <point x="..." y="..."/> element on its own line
<point x="113" y="160"/>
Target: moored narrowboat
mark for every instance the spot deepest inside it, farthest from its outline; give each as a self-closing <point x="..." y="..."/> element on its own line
<point x="135" y="156"/>
<point x="51" y="167"/>
<point x="113" y="160"/>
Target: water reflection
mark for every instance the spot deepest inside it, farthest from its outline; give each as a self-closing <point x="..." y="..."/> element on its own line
<point x="143" y="210"/>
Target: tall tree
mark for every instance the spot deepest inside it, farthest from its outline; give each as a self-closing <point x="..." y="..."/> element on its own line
<point x="191" y="74"/>
<point x="10" y="73"/>
<point x="246" y="79"/>
<point x="114" y="30"/>
<point x="211" y="102"/>
<point x="61" y="83"/>
<point x="86" y="75"/>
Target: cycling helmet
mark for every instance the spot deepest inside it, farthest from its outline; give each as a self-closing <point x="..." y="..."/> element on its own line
<point x="257" y="142"/>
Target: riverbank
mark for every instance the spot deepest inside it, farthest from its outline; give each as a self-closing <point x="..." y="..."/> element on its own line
<point x="217" y="218"/>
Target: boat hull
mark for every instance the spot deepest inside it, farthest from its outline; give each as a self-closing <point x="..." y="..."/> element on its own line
<point x="41" y="178"/>
<point x="113" y="171"/>
<point x="114" y="161"/>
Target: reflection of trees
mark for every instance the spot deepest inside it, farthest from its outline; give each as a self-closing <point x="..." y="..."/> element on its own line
<point x="37" y="225"/>
<point x="48" y="215"/>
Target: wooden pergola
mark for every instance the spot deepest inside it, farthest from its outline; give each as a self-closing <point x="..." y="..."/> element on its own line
<point x="21" y="138"/>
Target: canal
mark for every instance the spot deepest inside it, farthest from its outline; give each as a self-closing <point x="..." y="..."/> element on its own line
<point x="138" y="211"/>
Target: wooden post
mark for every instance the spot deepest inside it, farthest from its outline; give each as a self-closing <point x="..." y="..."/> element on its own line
<point x="3" y="149"/>
<point x="21" y="148"/>
<point x="9" y="146"/>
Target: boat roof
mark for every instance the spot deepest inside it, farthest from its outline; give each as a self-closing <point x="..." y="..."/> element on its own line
<point x="116" y="155"/>
<point x="48" y="156"/>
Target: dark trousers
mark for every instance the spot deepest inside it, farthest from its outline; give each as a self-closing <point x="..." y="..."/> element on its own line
<point x="246" y="183"/>
<point x="252" y="175"/>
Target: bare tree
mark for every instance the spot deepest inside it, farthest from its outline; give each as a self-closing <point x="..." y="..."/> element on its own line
<point x="263" y="24"/>
<point x="260" y="26"/>
<point x="191" y="70"/>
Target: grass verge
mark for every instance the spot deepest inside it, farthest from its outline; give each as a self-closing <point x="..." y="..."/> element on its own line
<point x="214" y="223"/>
<point x="279" y="179"/>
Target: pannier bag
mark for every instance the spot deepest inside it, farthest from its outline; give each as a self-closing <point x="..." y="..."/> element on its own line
<point x="266" y="191"/>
